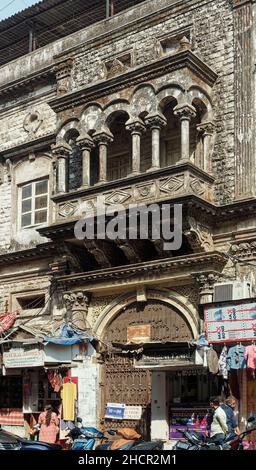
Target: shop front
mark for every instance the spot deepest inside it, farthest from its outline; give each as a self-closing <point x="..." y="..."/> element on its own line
<point x="147" y="343"/>
<point x="181" y="387"/>
<point x="41" y="371"/>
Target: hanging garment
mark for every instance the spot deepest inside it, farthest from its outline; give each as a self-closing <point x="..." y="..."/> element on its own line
<point x="223" y="363"/>
<point x="250" y="356"/>
<point x="69" y="396"/>
<point x="235" y="357"/>
<point x="212" y="361"/>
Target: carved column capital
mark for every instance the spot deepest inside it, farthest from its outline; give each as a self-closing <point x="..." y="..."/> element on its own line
<point x="206" y="128"/>
<point x="77" y="304"/>
<point x="61" y="149"/>
<point x="155" y="120"/>
<point x="85" y="142"/>
<point x="185" y="111"/>
<point x="135" y="126"/>
<point x="206" y="280"/>
<point x="103" y="137"/>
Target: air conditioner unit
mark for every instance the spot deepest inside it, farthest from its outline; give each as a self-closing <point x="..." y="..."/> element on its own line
<point x="232" y="291"/>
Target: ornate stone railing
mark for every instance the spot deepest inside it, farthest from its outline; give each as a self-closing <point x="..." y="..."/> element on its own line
<point x="164" y="184"/>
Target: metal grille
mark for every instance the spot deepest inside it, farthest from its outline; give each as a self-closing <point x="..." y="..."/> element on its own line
<point x="53" y="19"/>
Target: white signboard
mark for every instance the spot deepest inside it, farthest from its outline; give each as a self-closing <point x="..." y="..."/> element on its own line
<point x="18" y="358"/>
<point x="132" y="412"/>
<point x="230" y="322"/>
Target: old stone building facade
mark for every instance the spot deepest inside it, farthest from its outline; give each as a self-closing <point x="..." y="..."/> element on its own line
<point x="155" y="104"/>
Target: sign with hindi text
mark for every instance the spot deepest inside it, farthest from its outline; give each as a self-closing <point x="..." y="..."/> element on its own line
<point x="233" y="321"/>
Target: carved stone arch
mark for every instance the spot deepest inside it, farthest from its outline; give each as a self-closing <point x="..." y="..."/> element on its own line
<point x="170" y="298"/>
<point x="143" y="100"/>
<point x="90" y="118"/>
<point x="197" y="93"/>
<point x="67" y="128"/>
<point x="117" y="106"/>
<point x="167" y="93"/>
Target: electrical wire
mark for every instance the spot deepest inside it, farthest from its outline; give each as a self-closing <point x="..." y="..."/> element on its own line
<point x="6" y="6"/>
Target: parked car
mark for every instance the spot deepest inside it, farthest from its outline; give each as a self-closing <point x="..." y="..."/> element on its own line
<point x="9" y="441"/>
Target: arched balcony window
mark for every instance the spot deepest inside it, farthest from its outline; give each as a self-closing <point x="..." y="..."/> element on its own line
<point x="119" y="150"/>
<point x="170" y="137"/>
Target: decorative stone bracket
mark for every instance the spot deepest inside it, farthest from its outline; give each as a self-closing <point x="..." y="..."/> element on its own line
<point x="63" y="76"/>
<point x="199" y="236"/>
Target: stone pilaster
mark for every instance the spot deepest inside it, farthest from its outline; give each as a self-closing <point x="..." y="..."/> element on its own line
<point x="244" y="14"/>
<point x="136" y="127"/>
<point x="206" y="130"/>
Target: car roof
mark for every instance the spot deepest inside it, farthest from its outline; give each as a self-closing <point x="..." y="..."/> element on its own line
<point x="6" y="436"/>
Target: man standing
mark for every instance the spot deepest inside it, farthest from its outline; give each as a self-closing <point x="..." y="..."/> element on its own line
<point x="228" y="407"/>
<point x="219" y="422"/>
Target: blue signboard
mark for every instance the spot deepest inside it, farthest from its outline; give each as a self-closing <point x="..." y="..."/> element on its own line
<point x="115" y="411"/>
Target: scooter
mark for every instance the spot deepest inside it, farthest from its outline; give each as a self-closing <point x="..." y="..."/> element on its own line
<point x="84" y="438"/>
<point x="129" y="440"/>
<point x="197" y="441"/>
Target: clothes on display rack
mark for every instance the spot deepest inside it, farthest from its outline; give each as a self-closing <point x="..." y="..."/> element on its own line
<point x="235" y="357"/>
<point x="223" y="363"/>
<point x="212" y="361"/>
<point x="250" y="356"/>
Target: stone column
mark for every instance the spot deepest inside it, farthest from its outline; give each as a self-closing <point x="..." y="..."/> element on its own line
<point x="206" y="129"/>
<point x="103" y="139"/>
<point x="185" y="113"/>
<point x="155" y="121"/>
<point x="136" y="127"/>
<point x="61" y="151"/>
<point x="86" y="144"/>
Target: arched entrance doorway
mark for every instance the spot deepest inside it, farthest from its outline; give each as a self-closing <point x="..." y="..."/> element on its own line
<point x="122" y="382"/>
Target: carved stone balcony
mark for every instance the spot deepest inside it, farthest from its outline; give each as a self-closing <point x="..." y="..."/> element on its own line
<point x="164" y="184"/>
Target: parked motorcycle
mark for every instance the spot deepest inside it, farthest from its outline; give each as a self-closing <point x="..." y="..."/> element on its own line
<point x="129" y="440"/>
<point x="84" y="438"/>
<point x="197" y="441"/>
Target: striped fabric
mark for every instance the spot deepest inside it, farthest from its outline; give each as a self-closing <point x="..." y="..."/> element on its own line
<point x="11" y="416"/>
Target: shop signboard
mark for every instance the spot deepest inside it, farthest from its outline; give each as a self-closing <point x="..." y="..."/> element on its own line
<point x="138" y="334"/>
<point x="122" y="411"/>
<point x="115" y="411"/>
<point x="19" y="358"/>
<point x="132" y="412"/>
<point x="233" y="321"/>
<point x="152" y="360"/>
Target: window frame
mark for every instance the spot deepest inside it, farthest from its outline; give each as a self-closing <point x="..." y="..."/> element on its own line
<point x="33" y="197"/>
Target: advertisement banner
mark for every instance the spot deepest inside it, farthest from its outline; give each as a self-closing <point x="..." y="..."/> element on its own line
<point x="234" y="321"/>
